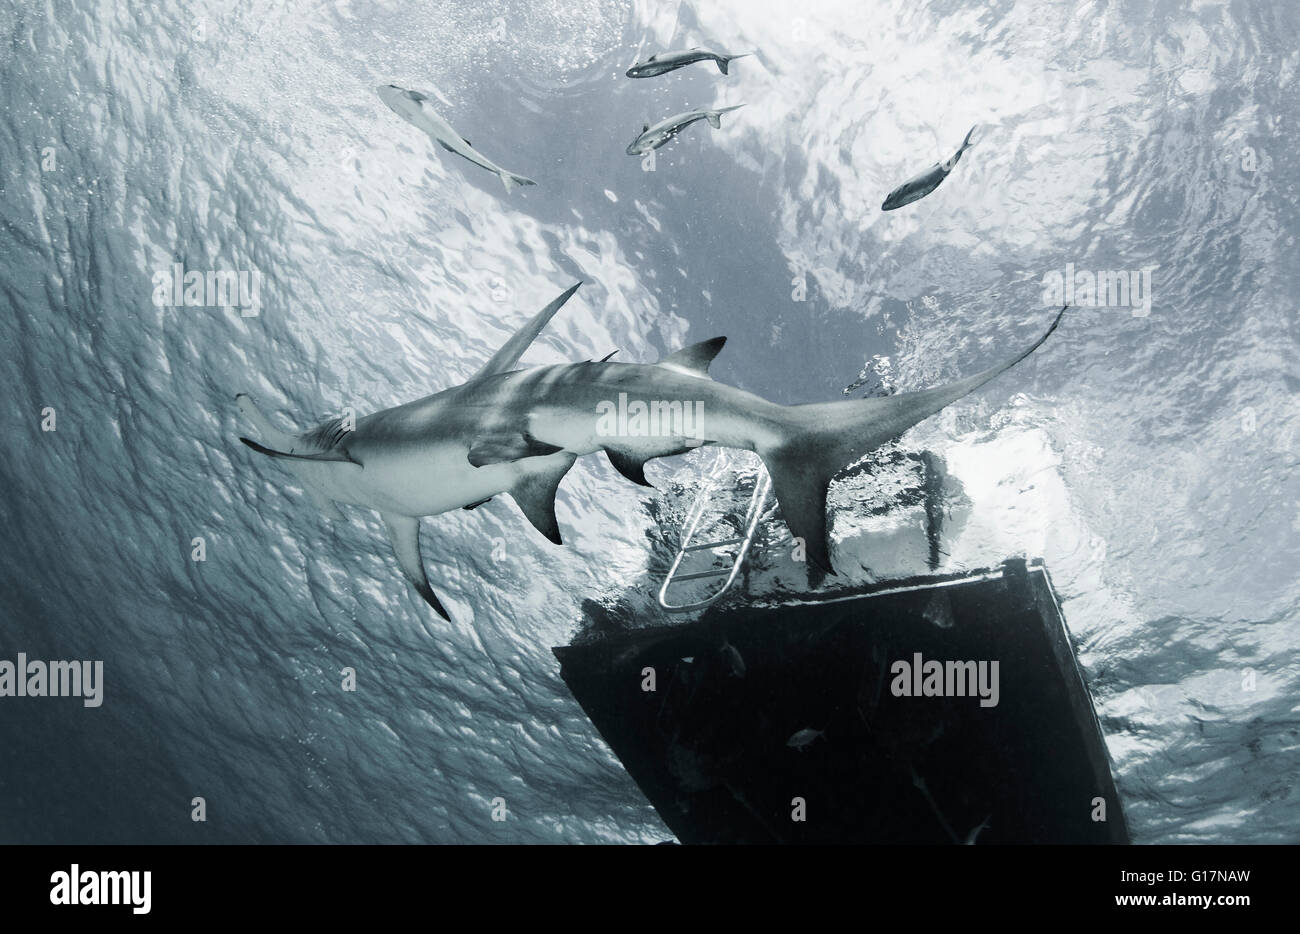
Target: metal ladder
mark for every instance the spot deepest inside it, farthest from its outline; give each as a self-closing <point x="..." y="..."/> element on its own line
<point x="757" y="505"/>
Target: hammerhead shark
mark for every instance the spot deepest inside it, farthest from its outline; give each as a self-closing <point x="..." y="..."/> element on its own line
<point x="664" y="62"/>
<point x="917" y="187"/>
<point x="518" y="431"/>
<point x="652" y="137"/>
<point x="414" y="108"/>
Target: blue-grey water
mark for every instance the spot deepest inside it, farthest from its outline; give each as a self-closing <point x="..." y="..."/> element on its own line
<point x="1148" y="458"/>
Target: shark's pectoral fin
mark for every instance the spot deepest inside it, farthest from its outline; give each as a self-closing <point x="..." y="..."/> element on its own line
<point x="338" y="454"/>
<point x="503" y="447"/>
<point x="404" y="532"/>
<point x="535" y="494"/>
<point x="476" y="505"/>
<point x="629" y="465"/>
<point x="447" y="146"/>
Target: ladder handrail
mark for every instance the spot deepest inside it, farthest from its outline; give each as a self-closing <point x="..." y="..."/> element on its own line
<point x="757" y="506"/>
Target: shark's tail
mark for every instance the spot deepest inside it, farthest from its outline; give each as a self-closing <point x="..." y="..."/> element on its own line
<point x="814" y="442"/>
<point x="715" y="116"/>
<point x="725" y="60"/>
<point x="512" y="181"/>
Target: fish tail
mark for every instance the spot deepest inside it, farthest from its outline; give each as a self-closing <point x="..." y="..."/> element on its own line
<point x="814" y="442"/>
<point x="715" y="116"/>
<point x="966" y="143"/>
<point x="725" y="60"/>
<point x="512" y="181"/>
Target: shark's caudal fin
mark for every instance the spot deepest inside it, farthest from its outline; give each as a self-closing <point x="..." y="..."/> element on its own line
<point x="512" y="181"/>
<point x="725" y="60"/>
<point x="821" y="439"/>
<point x="715" y="116"/>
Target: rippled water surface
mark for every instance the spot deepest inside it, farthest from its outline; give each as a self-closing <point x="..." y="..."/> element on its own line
<point x="1148" y="459"/>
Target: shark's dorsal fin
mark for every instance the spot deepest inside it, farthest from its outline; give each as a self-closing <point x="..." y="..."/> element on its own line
<point x="652" y="57"/>
<point x="504" y="360"/>
<point x="645" y="128"/>
<point x="695" y="359"/>
<point x="535" y="494"/>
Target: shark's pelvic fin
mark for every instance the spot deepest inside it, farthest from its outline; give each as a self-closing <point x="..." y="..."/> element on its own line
<point x="628" y="465"/>
<point x="695" y="359"/>
<point x="503" y="447"/>
<point x="535" y="494"/>
<point x="504" y="360"/>
<point x="404" y="532"/>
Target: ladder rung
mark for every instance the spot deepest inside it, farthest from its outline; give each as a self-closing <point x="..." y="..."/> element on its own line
<point x="757" y="503"/>
<point x="716" y="572"/>
<point x="718" y="544"/>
